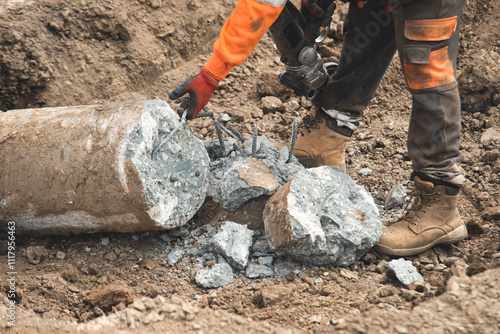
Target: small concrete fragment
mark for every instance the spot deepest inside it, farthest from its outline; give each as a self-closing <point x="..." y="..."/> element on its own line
<point x="405" y="272"/>
<point x="258" y="271"/>
<point x="237" y="178"/>
<point x="233" y="241"/>
<point x="396" y="197"/>
<point x="175" y="256"/>
<point x="35" y="254"/>
<point x="322" y="217"/>
<point x="221" y="274"/>
<point x="246" y="179"/>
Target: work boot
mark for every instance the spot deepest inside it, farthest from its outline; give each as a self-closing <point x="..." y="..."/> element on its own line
<point x="321" y="142"/>
<point x="433" y="219"/>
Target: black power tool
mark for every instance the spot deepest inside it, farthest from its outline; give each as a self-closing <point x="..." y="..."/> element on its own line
<point x="295" y="34"/>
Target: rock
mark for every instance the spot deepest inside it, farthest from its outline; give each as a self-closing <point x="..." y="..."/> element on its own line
<point x="322" y="217"/>
<point x="271" y="104"/>
<point x="269" y="85"/>
<point x="495" y="261"/>
<point x="105" y="241"/>
<point x="490" y="156"/>
<point x="60" y="255"/>
<point x="490" y="135"/>
<point x="148" y="264"/>
<point x="219" y="275"/>
<point x="97" y="172"/>
<point x="111" y="256"/>
<point x="405" y="272"/>
<point x="258" y="271"/>
<point x="108" y="296"/>
<point x="175" y="256"/>
<point x="36" y="254"/>
<point x="396" y="197"/>
<point x="233" y="241"/>
<point x="492" y="213"/>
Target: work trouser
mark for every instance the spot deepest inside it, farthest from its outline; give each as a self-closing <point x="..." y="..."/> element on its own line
<point x="425" y="33"/>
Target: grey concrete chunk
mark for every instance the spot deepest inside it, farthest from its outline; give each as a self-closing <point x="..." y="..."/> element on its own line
<point x="322" y="217"/>
<point x="237" y="177"/>
<point x="405" y="272"/>
<point x="233" y="241"/>
<point x="258" y="271"/>
<point x="175" y="256"/>
<point x="219" y="275"/>
<point x="247" y="178"/>
<point x="396" y="197"/>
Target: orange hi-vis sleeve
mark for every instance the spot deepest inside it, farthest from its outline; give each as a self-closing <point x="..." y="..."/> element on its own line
<point x="242" y="31"/>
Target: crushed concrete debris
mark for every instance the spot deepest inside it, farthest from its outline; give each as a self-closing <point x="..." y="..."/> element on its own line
<point x="175" y="256"/>
<point x="238" y="177"/>
<point x="233" y="241"/>
<point x="219" y="275"/>
<point x="258" y="271"/>
<point x="396" y="197"/>
<point x="323" y="217"/>
<point x="405" y="272"/>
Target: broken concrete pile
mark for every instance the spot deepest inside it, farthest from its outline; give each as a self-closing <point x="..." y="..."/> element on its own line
<point x="136" y="168"/>
<point x="99" y="168"/>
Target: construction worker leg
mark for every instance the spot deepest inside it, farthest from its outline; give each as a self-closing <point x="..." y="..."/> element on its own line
<point x="368" y="48"/>
<point x="427" y="33"/>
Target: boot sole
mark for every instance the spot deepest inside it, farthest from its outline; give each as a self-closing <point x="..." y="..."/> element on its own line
<point x="312" y="163"/>
<point x="456" y="235"/>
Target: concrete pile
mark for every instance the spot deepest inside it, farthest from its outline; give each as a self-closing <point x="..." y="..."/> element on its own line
<point x="99" y="168"/>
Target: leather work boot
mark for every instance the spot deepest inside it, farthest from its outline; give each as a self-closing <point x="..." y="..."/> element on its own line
<point x="433" y="219"/>
<point x="321" y="142"/>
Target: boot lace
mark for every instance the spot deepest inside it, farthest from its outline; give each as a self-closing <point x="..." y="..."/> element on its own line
<point x="420" y="203"/>
<point x="308" y="123"/>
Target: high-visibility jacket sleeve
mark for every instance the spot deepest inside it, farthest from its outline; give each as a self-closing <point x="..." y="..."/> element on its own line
<point x="240" y="34"/>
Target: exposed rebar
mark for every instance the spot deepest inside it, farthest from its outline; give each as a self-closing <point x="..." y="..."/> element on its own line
<point x="254" y="141"/>
<point x="167" y="138"/>
<point x="292" y="141"/>
<point x="221" y="139"/>
<point x="236" y="133"/>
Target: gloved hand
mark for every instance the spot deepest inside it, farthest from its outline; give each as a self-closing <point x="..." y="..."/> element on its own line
<point x="200" y="88"/>
<point x="322" y="9"/>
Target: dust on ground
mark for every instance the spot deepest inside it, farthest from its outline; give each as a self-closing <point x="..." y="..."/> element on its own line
<point x="56" y="53"/>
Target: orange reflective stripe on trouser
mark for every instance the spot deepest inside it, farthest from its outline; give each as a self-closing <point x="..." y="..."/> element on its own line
<point x="438" y="72"/>
<point x="242" y="31"/>
<point x="430" y="30"/>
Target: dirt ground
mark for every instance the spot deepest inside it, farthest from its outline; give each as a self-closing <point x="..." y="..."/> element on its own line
<point x="62" y="52"/>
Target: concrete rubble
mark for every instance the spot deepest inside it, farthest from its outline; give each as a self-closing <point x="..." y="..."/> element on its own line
<point x="405" y="272"/>
<point x="101" y="169"/>
<point x="322" y="217"/>
<point x="219" y="275"/>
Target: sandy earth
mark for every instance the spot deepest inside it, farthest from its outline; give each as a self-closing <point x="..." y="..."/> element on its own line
<point x="55" y="53"/>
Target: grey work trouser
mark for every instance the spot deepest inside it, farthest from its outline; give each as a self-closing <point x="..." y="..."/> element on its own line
<point x="425" y="33"/>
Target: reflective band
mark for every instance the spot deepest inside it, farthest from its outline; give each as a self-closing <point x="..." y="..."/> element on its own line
<point x="349" y="121"/>
<point x="438" y="72"/>
<point x="430" y="30"/>
<point x="274" y="3"/>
